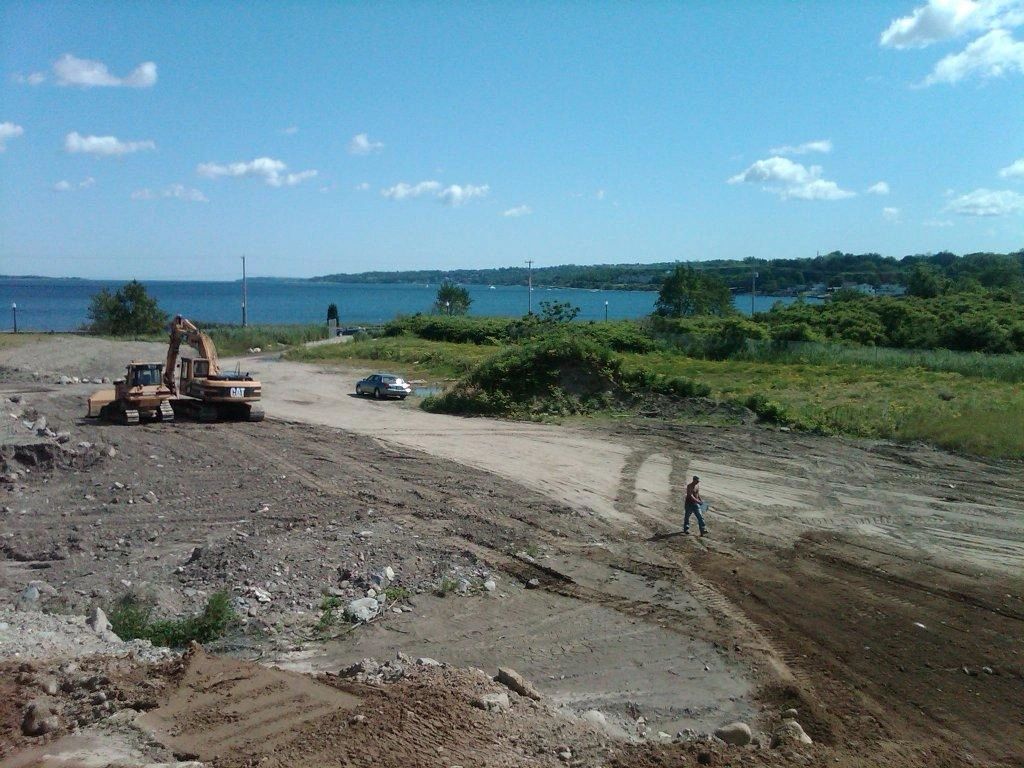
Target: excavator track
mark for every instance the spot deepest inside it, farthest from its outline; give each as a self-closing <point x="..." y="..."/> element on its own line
<point x="166" y="411"/>
<point x="256" y="413"/>
<point x="130" y="416"/>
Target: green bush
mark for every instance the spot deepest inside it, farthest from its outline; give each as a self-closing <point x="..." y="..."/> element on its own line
<point x="561" y="373"/>
<point x="131" y="617"/>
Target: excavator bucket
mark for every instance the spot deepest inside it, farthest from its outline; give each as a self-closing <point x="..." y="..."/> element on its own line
<point x="98" y="399"/>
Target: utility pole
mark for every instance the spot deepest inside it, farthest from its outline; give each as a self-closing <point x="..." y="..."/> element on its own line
<point x="606" y="311"/>
<point x="14" y="309"/>
<point x="529" y="286"/>
<point x="244" y="293"/>
<point x="753" y="292"/>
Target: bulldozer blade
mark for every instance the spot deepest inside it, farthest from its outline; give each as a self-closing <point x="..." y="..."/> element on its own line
<point x="97" y="400"/>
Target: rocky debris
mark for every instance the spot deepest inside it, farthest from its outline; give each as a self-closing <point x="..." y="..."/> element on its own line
<point x="149" y="497"/>
<point x="363" y="609"/>
<point x="375" y="672"/>
<point x="37" y="635"/>
<point x="789" y="713"/>
<point x="789" y="731"/>
<point x="28" y="600"/>
<point x="426" y="661"/>
<point x="737" y="734"/>
<point x="564" y="753"/>
<point x="517" y="683"/>
<point x="490" y="585"/>
<point x="99" y="624"/>
<point x="39" y="720"/>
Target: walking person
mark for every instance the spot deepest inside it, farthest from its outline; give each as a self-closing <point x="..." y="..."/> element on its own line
<point x="694" y="505"/>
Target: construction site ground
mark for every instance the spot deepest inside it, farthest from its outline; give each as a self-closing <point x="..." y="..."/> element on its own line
<point x="876" y="588"/>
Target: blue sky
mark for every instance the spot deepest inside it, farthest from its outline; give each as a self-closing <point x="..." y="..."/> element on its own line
<point x="165" y="140"/>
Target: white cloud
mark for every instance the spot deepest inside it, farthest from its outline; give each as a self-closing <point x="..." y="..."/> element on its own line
<point x="519" y="210"/>
<point x="362" y="145"/>
<point x="891" y="215"/>
<point x="66" y="186"/>
<point x="879" y="188"/>
<point x="403" y="190"/>
<point x="987" y="202"/>
<point x="453" y="195"/>
<point x="940" y="20"/>
<point x="175" y="191"/>
<point x="291" y="130"/>
<point x="1014" y="170"/>
<point x="9" y="131"/>
<point x="600" y="194"/>
<point x="363" y="186"/>
<point x="33" y="78"/>
<point x="273" y="172"/>
<point x="70" y="70"/>
<point x="938" y="223"/>
<point x="995" y="54"/>
<point x="787" y="179"/>
<point x="821" y="145"/>
<point x="456" y="194"/>
<point x="108" y="146"/>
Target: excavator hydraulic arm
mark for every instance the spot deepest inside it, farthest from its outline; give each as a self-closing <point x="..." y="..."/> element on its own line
<point x="184" y="330"/>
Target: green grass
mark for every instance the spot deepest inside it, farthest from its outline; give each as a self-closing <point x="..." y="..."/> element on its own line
<point x="12" y="340"/>
<point x="1009" y="368"/>
<point x="131" y="617"/>
<point x="235" y="340"/>
<point x="953" y="410"/>
<point x="409" y="356"/>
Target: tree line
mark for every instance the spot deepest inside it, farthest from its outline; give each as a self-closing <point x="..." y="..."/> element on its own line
<point x="831" y="270"/>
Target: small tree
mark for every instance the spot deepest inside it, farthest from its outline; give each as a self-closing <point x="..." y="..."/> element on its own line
<point x="128" y="311"/>
<point x="452" y="299"/>
<point x="924" y="282"/>
<point x="558" y="311"/>
<point x="687" y="292"/>
<point x="332" y="312"/>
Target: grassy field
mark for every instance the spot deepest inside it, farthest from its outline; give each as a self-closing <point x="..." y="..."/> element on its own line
<point x="408" y="356"/>
<point x="969" y="413"/>
<point x="971" y="408"/>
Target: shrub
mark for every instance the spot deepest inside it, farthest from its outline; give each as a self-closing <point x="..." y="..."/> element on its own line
<point x="128" y="311"/>
<point x="131" y="617"/>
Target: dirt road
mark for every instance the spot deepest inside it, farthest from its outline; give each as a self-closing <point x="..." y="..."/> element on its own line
<point x="876" y="588"/>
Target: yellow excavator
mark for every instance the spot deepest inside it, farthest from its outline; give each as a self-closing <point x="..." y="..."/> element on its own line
<point x="202" y="390"/>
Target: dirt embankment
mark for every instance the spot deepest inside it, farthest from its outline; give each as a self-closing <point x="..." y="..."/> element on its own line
<point x="875" y="588"/>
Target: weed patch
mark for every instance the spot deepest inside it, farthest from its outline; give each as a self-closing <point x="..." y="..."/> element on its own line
<point x="131" y="617"/>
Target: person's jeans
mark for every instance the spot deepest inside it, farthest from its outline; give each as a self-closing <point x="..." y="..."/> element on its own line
<point x="696" y="510"/>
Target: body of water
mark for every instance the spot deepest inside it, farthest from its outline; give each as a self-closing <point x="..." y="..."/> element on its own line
<point x="62" y="305"/>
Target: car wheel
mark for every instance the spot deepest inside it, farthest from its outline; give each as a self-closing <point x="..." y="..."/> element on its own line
<point x="376" y="393"/>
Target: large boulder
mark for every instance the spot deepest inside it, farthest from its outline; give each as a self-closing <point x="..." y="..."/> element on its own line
<point x="363" y="609"/>
<point x="516" y="682"/>
<point x="789" y="731"/>
<point x="738" y="734"/>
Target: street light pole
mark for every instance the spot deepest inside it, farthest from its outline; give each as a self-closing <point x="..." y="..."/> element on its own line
<point x="14" y="310"/>
<point x="244" y="293"/>
<point x="448" y="308"/>
<point x="529" y="286"/>
<point x="606" y="311"/>
<point x="753" y="292"/>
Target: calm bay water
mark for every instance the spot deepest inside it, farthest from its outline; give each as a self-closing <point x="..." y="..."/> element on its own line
<point x="62" y="305"/>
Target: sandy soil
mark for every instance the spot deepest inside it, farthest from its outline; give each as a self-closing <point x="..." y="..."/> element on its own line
<point x="875" y="587"/>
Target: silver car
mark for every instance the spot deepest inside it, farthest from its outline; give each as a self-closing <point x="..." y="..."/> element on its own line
<point x="384" y="385"/>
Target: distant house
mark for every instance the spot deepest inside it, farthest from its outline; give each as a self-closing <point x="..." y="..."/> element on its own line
<point x="890" y="289"/>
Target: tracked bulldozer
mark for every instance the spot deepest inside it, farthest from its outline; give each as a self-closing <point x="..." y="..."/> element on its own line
<point x="202" y="390"/>
<point x="140" y="395"/>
